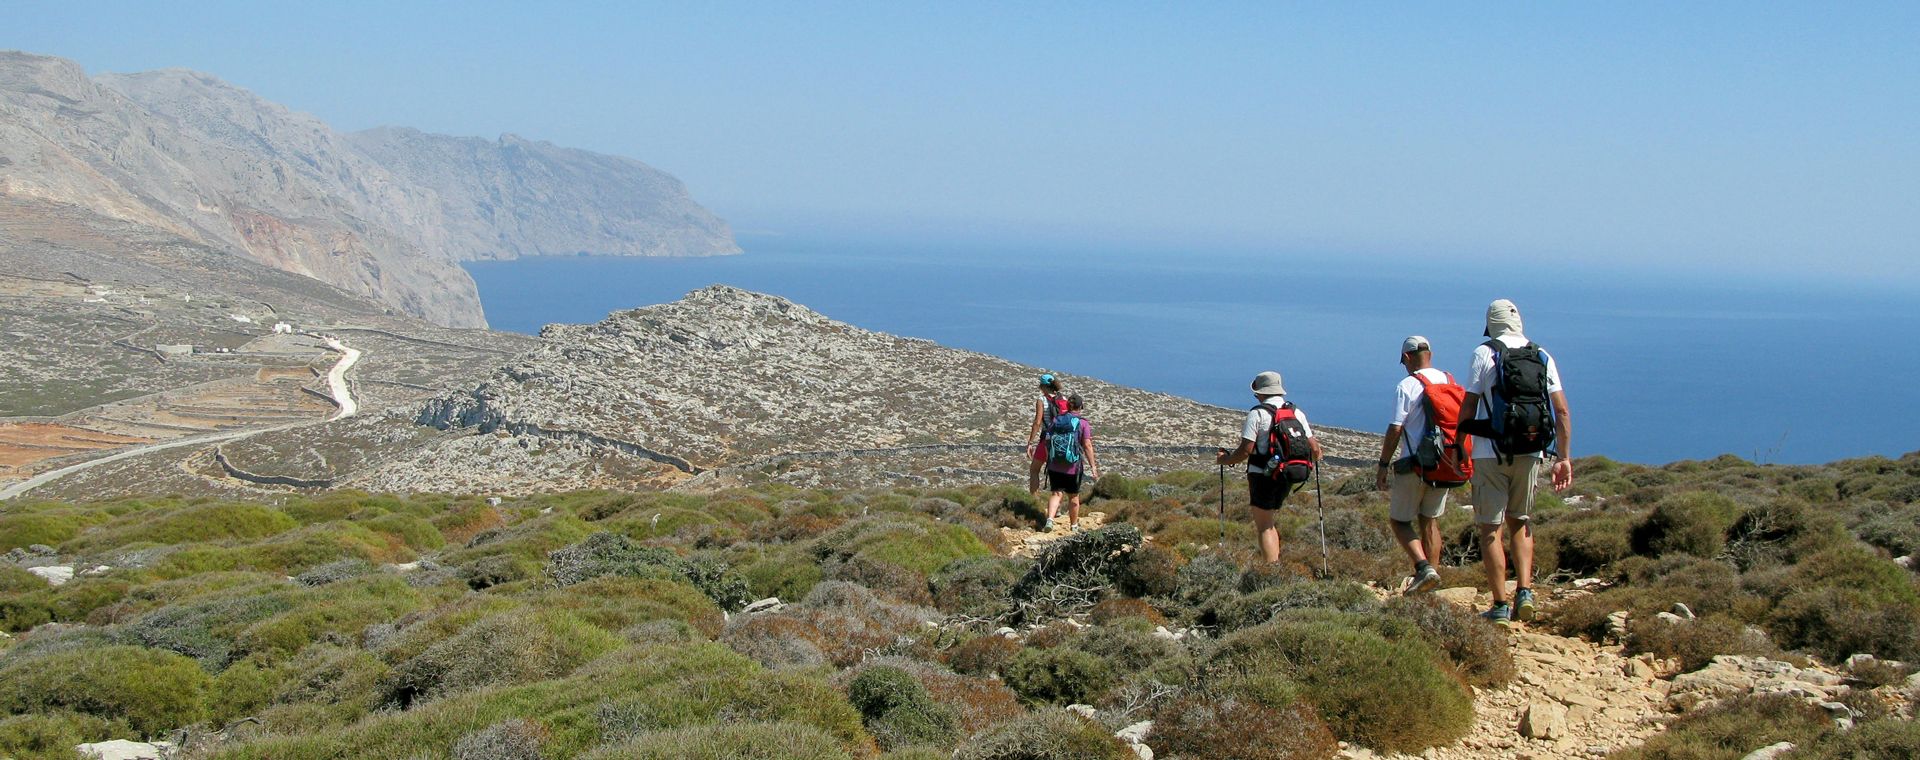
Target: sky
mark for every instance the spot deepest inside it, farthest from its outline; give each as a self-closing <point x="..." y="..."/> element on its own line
<point x="1731" y="139"/>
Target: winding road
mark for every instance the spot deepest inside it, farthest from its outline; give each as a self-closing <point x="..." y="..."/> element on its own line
<point x="336" y="384"/>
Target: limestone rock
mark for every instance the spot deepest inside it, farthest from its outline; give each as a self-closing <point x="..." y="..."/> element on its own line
<point x="1459" y="596"/>
<point x="1681" y="609"/>
<point x="1135" y="733"/>
<point x="1084" y="711"/>
<point x="121" y="749"/>
<point x="769" y="604"/>
<point x="57" y="575"/>
<point x="1770" y="752"/>
<point x="1544" y="720"/>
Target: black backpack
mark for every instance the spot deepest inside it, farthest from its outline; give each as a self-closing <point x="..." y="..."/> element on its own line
<point x="1519" y="415"/>
<point x="1287" y="452"/>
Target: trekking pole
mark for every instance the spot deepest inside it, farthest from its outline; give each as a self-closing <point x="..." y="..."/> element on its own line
<point x="1223" y="506"/>
<point x="1322" y="506"/>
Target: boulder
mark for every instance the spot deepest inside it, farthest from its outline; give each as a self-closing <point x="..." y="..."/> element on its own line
<point x="1544" y="720"/>
<point x="1769" y="752"/>
<point x="121" y="749"/>
<point x="1084" y="711"/>
<point x="1459" y="596"/>
<point x="769" y="604"/>
<point x="57" y="575"/>
<point x="1681" y="609"/>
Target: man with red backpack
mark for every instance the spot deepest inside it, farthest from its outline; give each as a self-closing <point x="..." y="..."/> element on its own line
<point x="1516" y="411"/>
<point x="1280" y="452"/>
<point x="1422" y="456"/>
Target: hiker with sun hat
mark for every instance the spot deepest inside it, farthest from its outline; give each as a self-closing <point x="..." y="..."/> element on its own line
<point x="1281" y="454"/>
<point x="1052" y="403"/>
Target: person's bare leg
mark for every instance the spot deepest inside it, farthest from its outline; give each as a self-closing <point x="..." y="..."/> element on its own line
<point x="1409" y="543"/>
<point x="1033" y="475"/>
<point x="1073" y="509"/>
<point x="1494" y="557"/>
<point x="1269" y="536"/>
<point x="1430" y="538"/>
<point x="1522" y="542"/>
<point x="1053" y="505"/>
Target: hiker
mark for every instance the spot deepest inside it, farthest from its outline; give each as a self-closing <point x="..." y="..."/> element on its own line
<point x="1052" y="403"/>
<point x="1419" y="460"/>
<point x="1280" y="451"/>
<point x="1515" y="409"/>
<point x="1069" y="457"/>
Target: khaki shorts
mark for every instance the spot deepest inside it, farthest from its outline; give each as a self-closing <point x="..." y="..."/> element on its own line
<point x="1410" y="494"/>
<point x="1503" y="492"/>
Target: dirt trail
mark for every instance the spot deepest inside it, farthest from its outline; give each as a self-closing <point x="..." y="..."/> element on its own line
<point x="1610" y="700"/>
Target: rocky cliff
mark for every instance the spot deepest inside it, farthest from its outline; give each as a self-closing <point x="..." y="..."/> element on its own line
<point x="386" y="214"/>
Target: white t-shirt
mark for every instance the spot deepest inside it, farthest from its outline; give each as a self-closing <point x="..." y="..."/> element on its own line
<point x="1480" y="380"/>
<point x="1408" y="412"/>
<point x="1259" y="421"/>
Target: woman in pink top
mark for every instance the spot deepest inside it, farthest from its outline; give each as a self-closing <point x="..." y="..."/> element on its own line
<point x="1052" y="402"/>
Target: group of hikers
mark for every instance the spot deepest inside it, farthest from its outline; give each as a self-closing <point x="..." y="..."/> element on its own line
<point x="1492" y="434"/>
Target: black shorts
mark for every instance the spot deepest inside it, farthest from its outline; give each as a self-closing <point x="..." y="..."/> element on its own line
<point x="1267" y="492"/>
<point x="1063" y="482"/>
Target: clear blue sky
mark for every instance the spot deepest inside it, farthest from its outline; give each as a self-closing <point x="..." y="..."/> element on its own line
<point x="1781" y="139"/>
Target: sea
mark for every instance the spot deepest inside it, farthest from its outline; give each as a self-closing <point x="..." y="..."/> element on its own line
<point x="1657" y="367"/>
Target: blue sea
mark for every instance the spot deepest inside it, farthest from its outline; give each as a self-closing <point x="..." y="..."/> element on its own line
<point x="1656" y="368"/>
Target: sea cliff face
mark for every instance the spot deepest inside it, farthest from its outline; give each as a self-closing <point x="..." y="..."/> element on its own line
<point x="387" y="213"/>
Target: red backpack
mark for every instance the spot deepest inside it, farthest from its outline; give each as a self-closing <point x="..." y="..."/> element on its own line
<point x="1441" y="456"/>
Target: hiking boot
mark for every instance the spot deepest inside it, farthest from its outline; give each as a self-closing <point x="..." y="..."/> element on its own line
<point x="1424" y="581"/>
<point x="1047" y="527"/>
<point x="1078" y="529"/>
<point x="1523" y="607"/>
<point x="1501" y="613"/>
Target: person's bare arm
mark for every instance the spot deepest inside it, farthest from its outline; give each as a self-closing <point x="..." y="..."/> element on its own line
<point x="1388" y="445"/>
<point x="1093" y="462"/>
<point x="1235" y="456"/>
<point x="1469" y="409"/>
<point x="1039" y="413"/>
<point x="1563" y="435"/>
<point x="1317" y="452"/>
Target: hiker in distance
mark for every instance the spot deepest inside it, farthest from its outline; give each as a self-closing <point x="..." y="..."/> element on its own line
<point x="1052" y="403"/>
<point x="1070" y="461"/>
<point x="1420" y="459"/>
<point x="1280" y="451"/>
<point x="1517" y="410"/>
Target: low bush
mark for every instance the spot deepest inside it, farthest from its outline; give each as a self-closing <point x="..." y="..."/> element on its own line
<point x="1073" y="573"/>
<point x="1234" y="612"/>
<point x="1120" y="488"/>
<point x="1836" y="623"/>
<point x="1390" y="696"/>
<point x="1346" y="529"/>
<point x="1695" y="642"/>
<point x="979" y="703"/>
<point x="611" y="554"/>
<point x="1733" y="728"/>
<point x="1478" y="648"/>
<point x="976" y="586"/>
<point x="1053" y="734"/>
<point x="1207" y="575"/>
<point x="1779" y="531"/>
<point x="206" y="630"/>
<point x="52" y="735"/>
<point x="1129" y="649"/>
<point x="617" y="602"/>
<point x="1895" y="529"/>
<point x="904" y="584"/>
<point x="852" y="620"/>
<point x="1584" y="544"/>
<point x="1149" y="570"/>
<point x="1114" y="610"/>
<point x="1061" y="676"/>
<point x="21" y="530"/>
<point x="1694" y="522"/>
<point x="1873" y="739"/>
<point x="515" y="739"/>
<point x="732" y="741"/>
<point x="151" y="690"/>
<point x="1199" y="727"/>
<point x="514" y="648"/>
<point x="336" y="613"/>
<point x="786" y="573"/>
<point x="776" y="641"/>
<point x="983" y="655"/>
<point x="898" y="711"/>
<point x="910" y="541"/>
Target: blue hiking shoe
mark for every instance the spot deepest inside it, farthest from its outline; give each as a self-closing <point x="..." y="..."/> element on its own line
<point x="1047" y="527"/>
<point x="1501" y="613"/>
<point x="1523" y="606"/>
<point x="1423" y="582"/>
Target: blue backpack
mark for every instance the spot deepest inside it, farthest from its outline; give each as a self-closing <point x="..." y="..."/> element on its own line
<point x="1063" y="440"/>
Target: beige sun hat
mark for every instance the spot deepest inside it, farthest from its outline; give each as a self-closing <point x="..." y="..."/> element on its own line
<point x="1415" y="343"/>
<point x="1502" y="317"/>
<point x="1268" y="384"/>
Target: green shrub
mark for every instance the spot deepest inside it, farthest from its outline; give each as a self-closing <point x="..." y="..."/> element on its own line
<point x="1860" y="570"/>
<point x="1150" y="570"/>
<point x="339" y="612"/>
<point x="1694" y="522"/>
<point x="416" y="532"/>
<point x="1114" y="610"/>
<point x="776" y="641"/>
<point x="1733" y="728"/>
<point x="983" y="655"/>
<point x="71" y="603"/>
<point x="901" y="583"/>
<point x="18" y="531"/>
<point x="783" y="573"/>
<point x="745" y="741"/>
<point x="898" y="711"/>
<point x="1388" y="695"/>
<point x="615" y="603"/>
<point x="978" y="703"/>
<point x="514" y="739"/>
<point x="1053" y="734"/>
<point x="1874" y="739"/>
<point x="1130" y="650"/>
<point x="1346" y="529"/>
<point x="1074" y="573"/>
<point x="1478" y="648"/>
<point x="1234" y="612"/>
<point x="1585" y="543"/>
<point x="910" y="541"/>
<point x="1835" y="623"/>
<point x="206" y="629"/>
<point x="976" y="586"/>
<point x="1061" y="675"/>
<point x="1695" y="642"/>
<point x="604" y="554"/>
<point x="518" y="647"/>
<point x="1897" y="530"/>
<point x="52" y="736"/>
<point x="1120" y="488"/>
<point x="1779" y="531"/>
<point x="153" y="691"/>
<point x="241" y="690"/>
<point x="1207" y="575"/>
<point x="1205" y="728"/>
